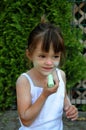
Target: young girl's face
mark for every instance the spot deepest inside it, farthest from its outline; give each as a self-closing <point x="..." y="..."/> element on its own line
<point x="45" y="63"/>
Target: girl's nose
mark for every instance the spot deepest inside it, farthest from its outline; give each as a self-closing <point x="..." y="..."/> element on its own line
<point x="49" y="62"/>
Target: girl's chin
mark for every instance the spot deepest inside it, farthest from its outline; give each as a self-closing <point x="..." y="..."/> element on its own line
<point x="46" y="73"/>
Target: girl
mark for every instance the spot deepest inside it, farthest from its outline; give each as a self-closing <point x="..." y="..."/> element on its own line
<point x="41" y="107"/>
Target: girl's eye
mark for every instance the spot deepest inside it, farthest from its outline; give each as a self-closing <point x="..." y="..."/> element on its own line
<point x="56" y="57"/>
<point x="41" y="56"/>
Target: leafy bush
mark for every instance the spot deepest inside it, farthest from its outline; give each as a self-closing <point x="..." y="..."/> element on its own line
<point x="17" y="19"/>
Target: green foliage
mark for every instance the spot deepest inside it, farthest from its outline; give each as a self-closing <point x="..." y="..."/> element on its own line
<point x="84" y="108"/>
<point x="75" y="64"/>
<point x="17" y="19"/>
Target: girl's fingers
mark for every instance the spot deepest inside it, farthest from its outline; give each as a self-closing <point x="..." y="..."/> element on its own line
<point x="72" y="112"/>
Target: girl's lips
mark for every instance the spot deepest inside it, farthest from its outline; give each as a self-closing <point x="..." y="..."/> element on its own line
<point x="47" y="68"/>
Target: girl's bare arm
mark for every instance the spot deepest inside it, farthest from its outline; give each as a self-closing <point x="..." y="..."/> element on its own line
<point x="28" y="111"/>
<point x="70" y="110"/>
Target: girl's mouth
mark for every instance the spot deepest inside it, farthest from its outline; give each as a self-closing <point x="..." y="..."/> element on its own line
<point x="47" y="68"/>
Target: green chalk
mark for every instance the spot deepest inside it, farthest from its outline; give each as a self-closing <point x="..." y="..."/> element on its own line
<point x="50" y="81"/>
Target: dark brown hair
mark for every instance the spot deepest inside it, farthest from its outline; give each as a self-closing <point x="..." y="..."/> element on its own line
<point x="48" y="34"/>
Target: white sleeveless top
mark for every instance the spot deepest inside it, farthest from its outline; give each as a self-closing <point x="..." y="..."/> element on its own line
<point x="50" y="117"/>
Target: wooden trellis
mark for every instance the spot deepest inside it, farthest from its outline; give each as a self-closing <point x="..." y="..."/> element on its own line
<point x="78" y="92"/>
<point x="80" y="18"/>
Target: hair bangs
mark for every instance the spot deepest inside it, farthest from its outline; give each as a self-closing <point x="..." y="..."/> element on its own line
<point x="46" y="41"/>
<point x="58" y="43"/>
<point x="54" y="39"/>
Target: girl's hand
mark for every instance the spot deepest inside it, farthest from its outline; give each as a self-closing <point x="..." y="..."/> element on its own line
<point x="71" y="112"/>
<point x="48" y="91"/>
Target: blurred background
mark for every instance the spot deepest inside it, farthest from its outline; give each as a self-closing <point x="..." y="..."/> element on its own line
<point x="17" y="19"/>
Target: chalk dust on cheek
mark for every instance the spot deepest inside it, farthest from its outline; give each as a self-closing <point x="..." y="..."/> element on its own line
<point x="35" y="64"/>
<point x="56" y="64"/>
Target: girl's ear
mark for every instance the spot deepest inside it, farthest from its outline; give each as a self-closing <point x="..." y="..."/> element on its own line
<point x="28" y="54"/>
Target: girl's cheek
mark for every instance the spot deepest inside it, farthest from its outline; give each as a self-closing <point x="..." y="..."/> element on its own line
<point x="56" y="64"/>
<point x="35" y="63"/>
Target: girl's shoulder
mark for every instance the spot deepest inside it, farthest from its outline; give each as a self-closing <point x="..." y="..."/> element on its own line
<point x="22" y="80"/>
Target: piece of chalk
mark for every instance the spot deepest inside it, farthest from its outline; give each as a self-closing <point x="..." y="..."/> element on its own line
<point x="50" y="81"/>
